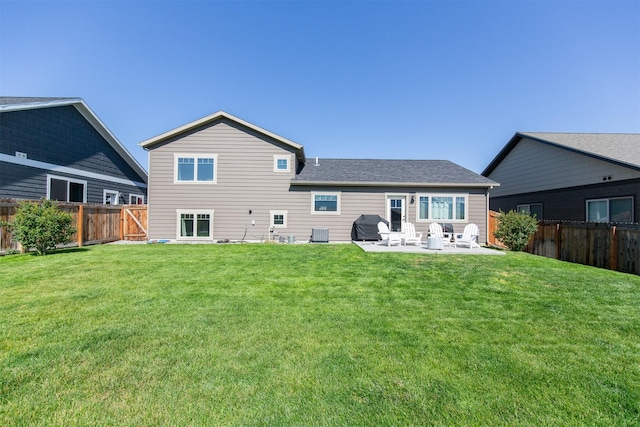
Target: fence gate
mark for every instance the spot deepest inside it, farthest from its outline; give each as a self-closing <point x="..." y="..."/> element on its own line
<point x="134" y="222"/>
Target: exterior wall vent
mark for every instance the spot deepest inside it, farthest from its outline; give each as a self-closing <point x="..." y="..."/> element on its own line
<point x="320" y="234"/>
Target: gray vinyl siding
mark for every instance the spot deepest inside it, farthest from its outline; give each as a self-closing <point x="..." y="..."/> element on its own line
<point x="534" y="166"/>
<point x="247" y="189"/>
<point x="569" y="204"/>
<point x="245" y="176"/>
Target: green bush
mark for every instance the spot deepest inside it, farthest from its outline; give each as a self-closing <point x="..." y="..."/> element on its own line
<point x="41" y="226"/>
<point x="515" y="229"/>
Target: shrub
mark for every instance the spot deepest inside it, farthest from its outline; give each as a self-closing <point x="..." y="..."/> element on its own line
<point x="515" y="229"/>
<point x="41" y="226"/>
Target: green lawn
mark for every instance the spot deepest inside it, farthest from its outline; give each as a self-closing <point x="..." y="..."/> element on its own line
<point x="314" y="335"/>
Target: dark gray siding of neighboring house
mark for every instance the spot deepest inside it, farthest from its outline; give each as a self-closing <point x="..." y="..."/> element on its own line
<point x="60" y="136"/>
<point x="570" y="203"/>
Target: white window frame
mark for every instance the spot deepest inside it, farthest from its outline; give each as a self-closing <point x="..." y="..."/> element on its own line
<point x="272" y="219"/>
<point x="106" y="193"/>
<point x="69" y="181"/>
<point x="326" y="193"/>
<point x="452" y="220"/>
<point x="195" y="157"/>
<point x="195" y="213"/>
<point x="608" y="200"/>
<point x="277" y="157"/>
<point x="136" y="196"/>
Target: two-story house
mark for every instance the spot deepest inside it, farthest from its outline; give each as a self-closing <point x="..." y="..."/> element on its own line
<point x="221" y="177"/>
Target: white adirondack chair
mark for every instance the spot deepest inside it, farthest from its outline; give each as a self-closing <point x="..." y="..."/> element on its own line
<point x="435" y="230"/>
<point x="469" y="237"/>
<point x="411" y="237"/>
<point x="389" y="237"/>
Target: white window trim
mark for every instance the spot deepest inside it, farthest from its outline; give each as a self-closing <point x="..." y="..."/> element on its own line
<point x="195" y="157"/>
<point x="195" y="212"/>
<point x="453" y="220"/>
<point x="69" y="180"/>
<point x="273" y="213"/>
<point x="325" y="193"/>
<point x="277" y="157"/>
<point x="106" y="192"/>
<point x="608" y="200"/>
<point x="131" y="196"/>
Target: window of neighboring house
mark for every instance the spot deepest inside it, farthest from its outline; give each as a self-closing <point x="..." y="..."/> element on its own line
<point x="110" y="197"/>
<point x="325" y="203"/>
<point x="451" y="207"/>
<point x="195" y="168"/>
<point x="66" y="189"/>
<point x="196" y="224"/>
<point x="281" y="163"/>
<point x="278" y="219"/>
<point x="532" y="209"/>
<point x="619" y="209"/>
<point x="136" y="199"/>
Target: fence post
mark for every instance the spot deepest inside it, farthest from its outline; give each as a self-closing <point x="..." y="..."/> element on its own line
<point x="557" y="237"/>
<point x="122" y="223"/>
<point x="613" y="249"/>
<point x="80" y="224"/>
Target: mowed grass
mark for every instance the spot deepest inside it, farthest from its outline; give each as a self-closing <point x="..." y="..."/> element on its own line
<point x="314" y="335"/>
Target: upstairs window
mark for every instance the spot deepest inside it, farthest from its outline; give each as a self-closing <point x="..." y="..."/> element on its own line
<point x="281" y="163"/>
<point x="195" y="168"/>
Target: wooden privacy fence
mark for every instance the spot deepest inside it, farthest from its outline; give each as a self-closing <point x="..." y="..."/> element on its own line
<point x="94" y="223"/>
<point x="604" y="245"/>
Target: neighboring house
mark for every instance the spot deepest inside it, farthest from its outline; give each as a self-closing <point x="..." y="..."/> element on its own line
<point x="223" y="178"/>
<point x="57" y="148"/>
<point x="569" y="176"/>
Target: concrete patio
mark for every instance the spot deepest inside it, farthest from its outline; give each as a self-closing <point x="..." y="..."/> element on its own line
<point x="422" y="249"/>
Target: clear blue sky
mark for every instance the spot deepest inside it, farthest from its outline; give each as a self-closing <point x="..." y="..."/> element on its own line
<point x="347" y="79"/>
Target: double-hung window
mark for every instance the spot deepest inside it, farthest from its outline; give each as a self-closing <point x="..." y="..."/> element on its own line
<point x="195" y="224"/>
<point x="325" y="203"/>
<point x="136" y="199"/>
<point x="195" y="168"/>
<point x="450" y="207"/>
<point x="619" y="209"/>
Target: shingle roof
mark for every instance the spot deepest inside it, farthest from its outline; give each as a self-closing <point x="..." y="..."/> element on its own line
<point x="619" y="148"/>
<point x="388" y="172"/>
<point x="12" y="101"/>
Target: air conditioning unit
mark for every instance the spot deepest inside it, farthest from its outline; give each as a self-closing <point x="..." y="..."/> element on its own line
<point x="320" y="234"/>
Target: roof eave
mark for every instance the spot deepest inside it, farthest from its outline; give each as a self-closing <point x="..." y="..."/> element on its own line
<point x="394" y="184"/>
<point x="149" y="143"/>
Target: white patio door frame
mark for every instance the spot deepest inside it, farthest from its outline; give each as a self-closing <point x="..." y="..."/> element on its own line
<point x="396" y="211"/>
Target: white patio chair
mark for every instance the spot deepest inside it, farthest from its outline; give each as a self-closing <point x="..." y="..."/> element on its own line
<point x="410" y="235"/>
<point x="435" y="230"/>
<point x="469" y="237"/>
<point x="389" y="237"/>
